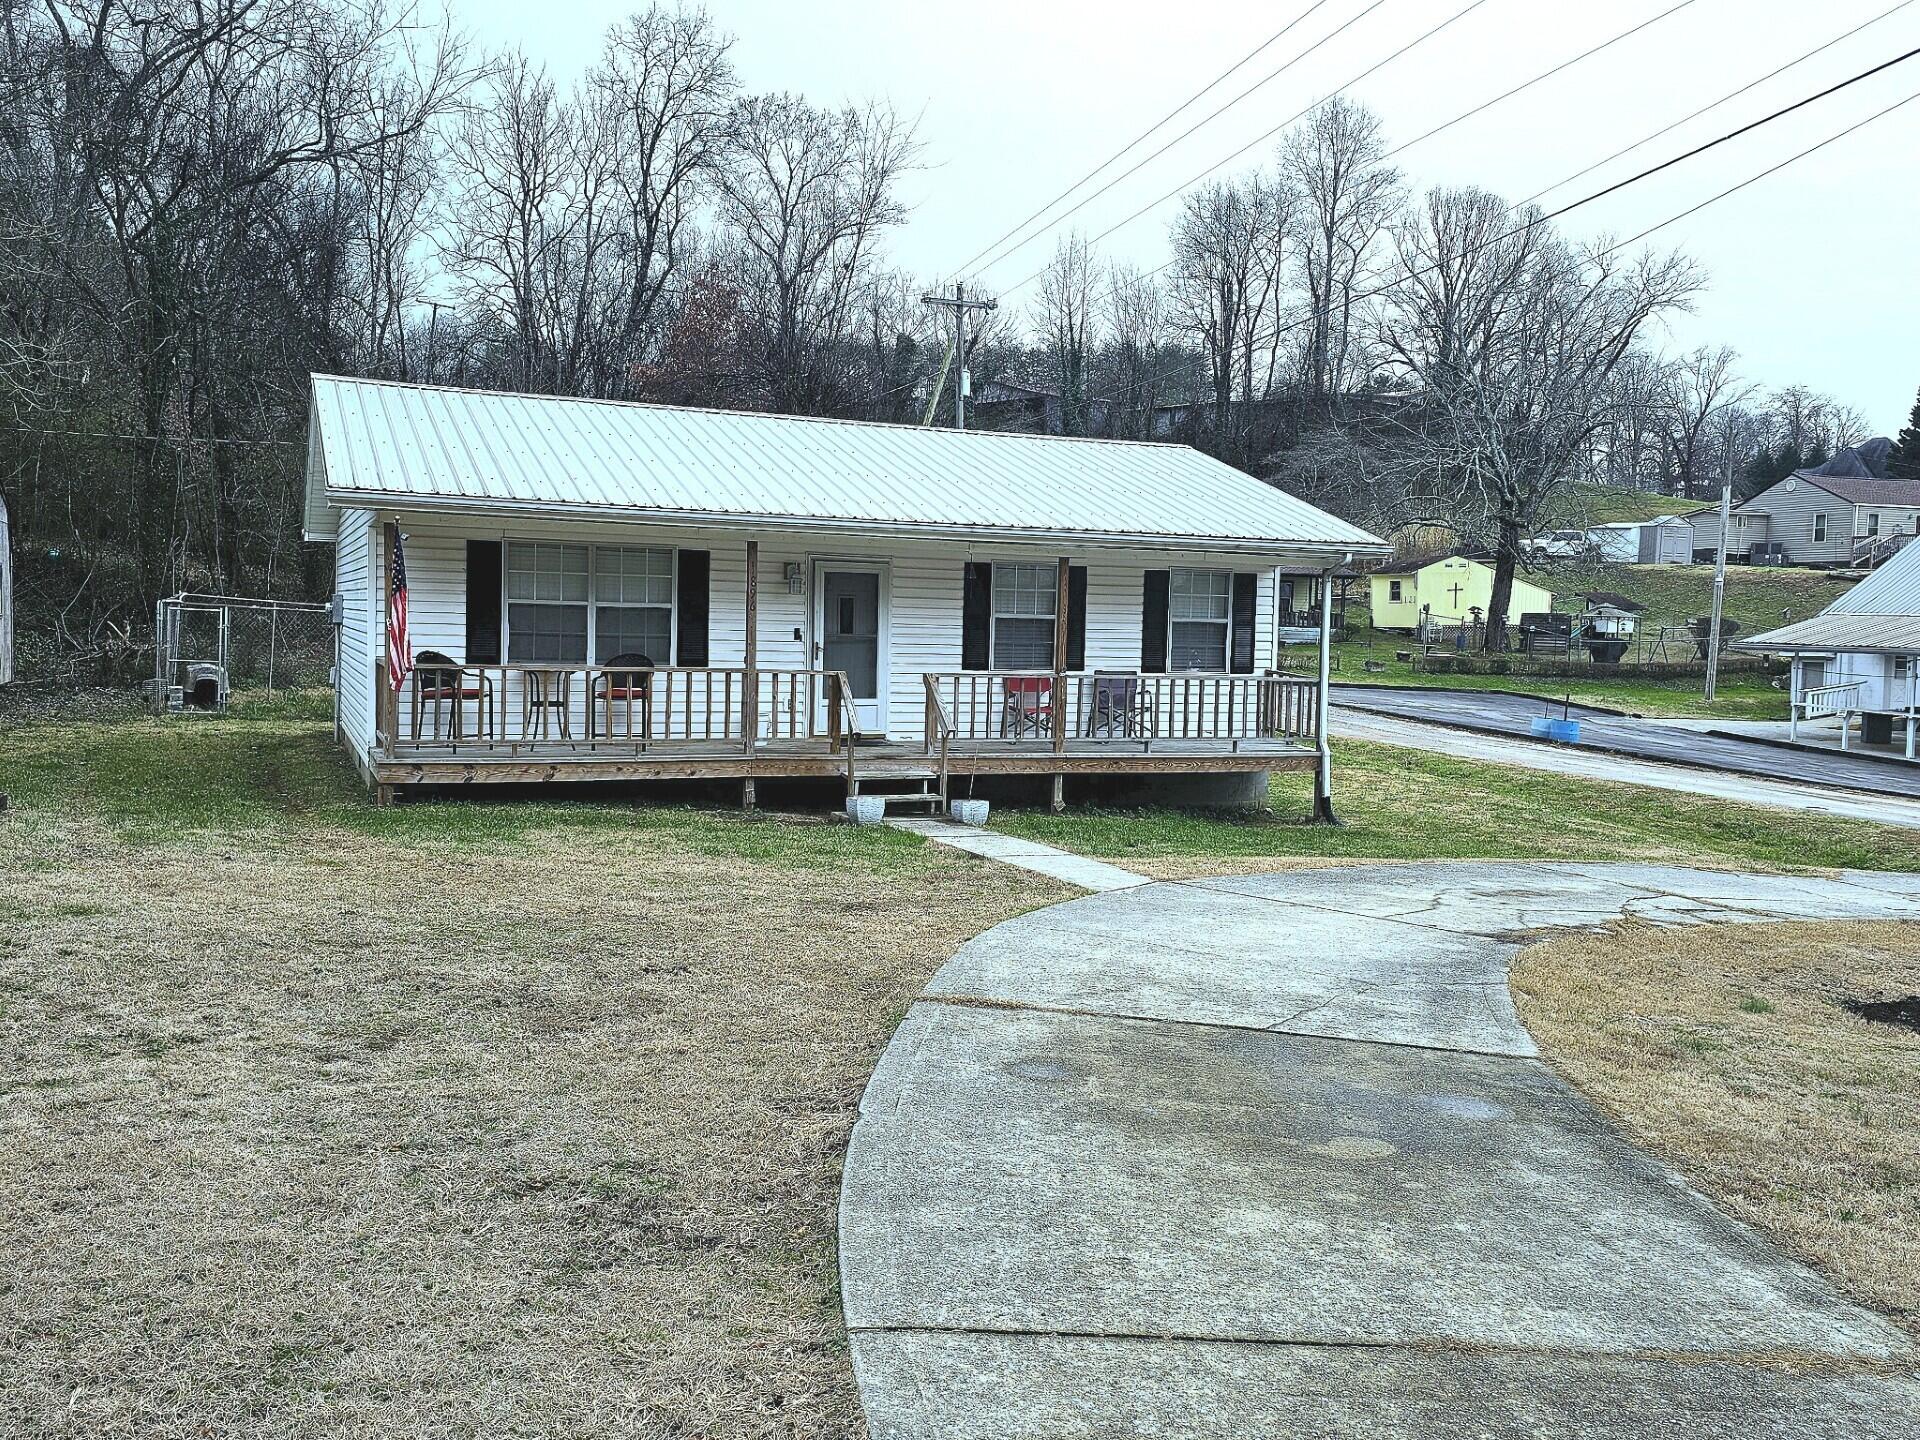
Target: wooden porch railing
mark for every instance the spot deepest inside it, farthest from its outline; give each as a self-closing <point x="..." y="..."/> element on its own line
<point x="507" y="709"/>
<point x="984" y="707"/>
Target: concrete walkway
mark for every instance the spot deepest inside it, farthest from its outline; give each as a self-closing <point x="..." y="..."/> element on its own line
<point x="1272" y="1156"/>
<point x="1598" y="765"/>
<point x="1022" y="854"/>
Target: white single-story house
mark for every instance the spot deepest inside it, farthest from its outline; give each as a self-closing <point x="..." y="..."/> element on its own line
<point x="613" y="591"/>
<point x="1859" y="659"/>
<point x="1844" y="512"/>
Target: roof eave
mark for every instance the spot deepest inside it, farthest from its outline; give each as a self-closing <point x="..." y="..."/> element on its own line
<point x="732" y="520"/>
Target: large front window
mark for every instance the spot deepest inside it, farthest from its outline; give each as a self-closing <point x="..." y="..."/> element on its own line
<point x="566" y="602"/>
<point x="1199" y="616"/>
<point x="1026" y="599"/>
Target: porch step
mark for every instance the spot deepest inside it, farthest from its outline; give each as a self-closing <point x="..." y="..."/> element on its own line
<point x="895" y="770"/>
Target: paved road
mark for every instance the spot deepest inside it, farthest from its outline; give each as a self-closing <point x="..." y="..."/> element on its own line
<point x="1592" y="764"/>
<point x="1490" y="711"/>
<point x="1272" y="1156"/>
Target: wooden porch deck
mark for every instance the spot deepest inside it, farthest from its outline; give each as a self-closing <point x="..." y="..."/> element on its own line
<point x="544" y="762"/>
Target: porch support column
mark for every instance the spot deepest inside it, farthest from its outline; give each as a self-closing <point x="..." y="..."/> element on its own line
<point x="750" y="682"/>
<point x="1060" y="630"/>
<point x="1323" y="766"/>
<point x="1794" y="673"/>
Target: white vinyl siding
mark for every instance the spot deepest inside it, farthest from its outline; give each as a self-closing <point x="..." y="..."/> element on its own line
<point x="363" y="619"/>
<point x="924" y="594"/>
<point x="1026" y="602"/>
<point x="1199" y="619"/>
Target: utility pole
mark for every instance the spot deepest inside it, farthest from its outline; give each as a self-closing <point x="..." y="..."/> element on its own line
<point x="1720" y="575"/>
<point x="433" y="335"/>
<point x="959" y="304"/>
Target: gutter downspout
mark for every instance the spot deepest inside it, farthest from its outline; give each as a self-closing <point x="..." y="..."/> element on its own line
<point x="1323" y="767"/>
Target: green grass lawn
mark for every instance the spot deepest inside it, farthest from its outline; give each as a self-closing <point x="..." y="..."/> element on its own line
<point x="1408" y="805"/>
<point x="1612" y="505"/>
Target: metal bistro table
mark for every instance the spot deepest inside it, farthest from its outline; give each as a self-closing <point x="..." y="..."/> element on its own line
<point x="546" y="691"/>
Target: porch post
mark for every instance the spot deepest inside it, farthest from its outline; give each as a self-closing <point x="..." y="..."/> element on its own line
<point x="750" y="682"/>
<point x="1794" y="673"/>
<point x="1323" y="766"/>
<point x="1060" y="633"/>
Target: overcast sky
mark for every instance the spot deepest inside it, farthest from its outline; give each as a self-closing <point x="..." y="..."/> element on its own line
<point x="1812" y="272"/>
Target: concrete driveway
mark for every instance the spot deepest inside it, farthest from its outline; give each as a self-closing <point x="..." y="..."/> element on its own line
<point x="1494" y="713"/>
<point x="1272" y="1156"/>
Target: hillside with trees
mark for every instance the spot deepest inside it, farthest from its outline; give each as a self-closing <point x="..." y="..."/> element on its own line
<point x="205" y="204"/>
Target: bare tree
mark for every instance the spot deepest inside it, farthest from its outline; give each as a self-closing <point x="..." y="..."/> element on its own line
<point x="1701" y="386"/>
<point x="1348" y="196"/>
<point x="1064" y="314"/>
<point x="1510" y="399"/>
<point x="806" y="195"/>
<point x="1135" y="317"/>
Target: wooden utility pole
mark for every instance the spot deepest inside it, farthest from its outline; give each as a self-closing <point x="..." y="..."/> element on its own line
<point x="1719" y="577"/>
<point x="959" y="304"/>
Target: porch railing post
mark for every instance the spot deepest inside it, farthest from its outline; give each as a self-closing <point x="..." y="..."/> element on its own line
<point x="750" y="687"/>
<point x="1061" y="631"/>
<point x="1323" y="767"/>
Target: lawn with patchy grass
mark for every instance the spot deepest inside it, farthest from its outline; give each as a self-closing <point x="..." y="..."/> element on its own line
<point x="443" y="1119"/>
<point x="1615" y="505"/>
<point x="1409" y="805"/>
<point x="1732" y="1052"/>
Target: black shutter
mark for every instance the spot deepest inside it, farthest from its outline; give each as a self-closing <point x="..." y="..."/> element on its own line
<point x="1246" y="590"/>
<point x="693" y="569"/>
<point x="1153" y="622"/>
<point x="976" y="615"/>
<point x="483" y="602"/>
<point x="1076" y="617"/>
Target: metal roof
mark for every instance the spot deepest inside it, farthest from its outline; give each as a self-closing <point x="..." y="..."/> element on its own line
<point x="388" y="445"/>
<point x="1882" y="612"/>
<point x="1890" y="634"/>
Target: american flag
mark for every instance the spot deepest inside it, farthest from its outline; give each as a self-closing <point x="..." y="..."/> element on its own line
<point x="399" y="656"/>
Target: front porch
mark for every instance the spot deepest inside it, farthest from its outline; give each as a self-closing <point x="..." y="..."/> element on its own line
<point x="525" y="724"/>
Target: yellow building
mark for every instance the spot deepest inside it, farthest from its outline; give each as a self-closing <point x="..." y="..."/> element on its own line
<point x="1448" y="590"/>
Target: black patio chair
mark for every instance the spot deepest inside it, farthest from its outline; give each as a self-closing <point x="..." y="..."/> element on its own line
<point x="625" y="680"/>
<point x="440" y="682"/>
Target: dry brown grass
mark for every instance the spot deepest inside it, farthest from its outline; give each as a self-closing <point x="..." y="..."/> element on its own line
<point x="316" y="1132"/>
<point x="1729" y="1051"/>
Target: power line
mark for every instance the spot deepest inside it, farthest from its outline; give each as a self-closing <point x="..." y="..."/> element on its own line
<point x="1377" y="66"/>
<point x="1304" y="317"/>
<point x="1543" y="75"/>
<point x="1715" y="105"/>
<point x="1069" y="214"/>
<point x="1198" y="94"/>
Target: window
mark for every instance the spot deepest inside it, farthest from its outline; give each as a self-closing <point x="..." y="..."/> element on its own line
<point x="1819" y="529"/>
<point x="1026" y="599"/>
<point x="1393" y="591"/>
<point x="632" y="603"/>
<point x="1873" y="522"/>
<point x="566" y="602"/>
<point x="1199" y="615"/>
<point x="546" y="603"/>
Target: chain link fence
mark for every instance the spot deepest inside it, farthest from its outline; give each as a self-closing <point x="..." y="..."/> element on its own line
<point x="208" y="648"/>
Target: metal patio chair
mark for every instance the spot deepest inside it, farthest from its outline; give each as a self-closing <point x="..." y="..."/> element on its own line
<point x="1116" y="705"/>
<point x="442" y="687"/>
<point x="623" y="685"/>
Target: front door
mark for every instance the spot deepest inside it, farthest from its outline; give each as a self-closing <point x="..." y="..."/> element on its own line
<point x="851" y="624"/>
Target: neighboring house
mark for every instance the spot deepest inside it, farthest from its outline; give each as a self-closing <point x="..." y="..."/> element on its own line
<point x="1858" y="658"/>
<point x="1841" y="513"/>
<point x="626" y="592"/>
<point x="1663" y="540"/>
<point x="1447" y="590"/>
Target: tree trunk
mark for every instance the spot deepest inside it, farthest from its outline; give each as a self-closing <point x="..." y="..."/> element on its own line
<point x="1506" y="559"/>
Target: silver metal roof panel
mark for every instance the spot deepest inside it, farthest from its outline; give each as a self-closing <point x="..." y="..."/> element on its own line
<point x="378" y="443"/>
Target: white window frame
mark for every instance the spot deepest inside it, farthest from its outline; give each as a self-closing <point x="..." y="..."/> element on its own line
<point x="1393" y="593"/>
<point x="1873" y="523"/>
<point x="592" y="601"/>
<point x="1225" y="624"/>
<point x="1819" y="527"/>
<point x="995" y="614"/>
